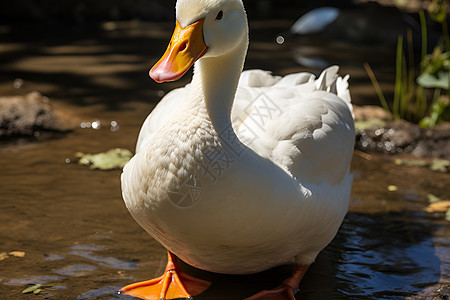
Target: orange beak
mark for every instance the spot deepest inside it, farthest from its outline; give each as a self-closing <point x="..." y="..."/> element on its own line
<point x="185" y="48"/>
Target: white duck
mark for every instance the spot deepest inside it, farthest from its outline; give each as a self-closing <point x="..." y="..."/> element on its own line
<point x="237" y="173"/>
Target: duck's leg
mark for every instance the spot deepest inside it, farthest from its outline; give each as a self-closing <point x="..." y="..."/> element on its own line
<point x="287" y="289"/>
<point x="173" y="284"/>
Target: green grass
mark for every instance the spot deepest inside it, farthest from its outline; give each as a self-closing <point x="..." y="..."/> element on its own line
<point x="411" y="86"/>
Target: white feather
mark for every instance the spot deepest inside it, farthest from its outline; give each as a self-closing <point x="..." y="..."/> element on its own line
<point x="270" y="186"/>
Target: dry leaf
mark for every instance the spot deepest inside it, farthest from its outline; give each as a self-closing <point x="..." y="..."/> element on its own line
<point x="17" y="253"/>
<point x="3" y="256"/>
<point x="441" y="206"/>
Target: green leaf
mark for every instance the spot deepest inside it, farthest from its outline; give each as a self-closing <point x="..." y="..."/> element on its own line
<point x="410" y="162"/>
<point x="31" y="289"/>
<point x="447" y="215"/>
<point x="36" y="288"/>
<point x="432" y="198"/>
<point x="37" y="291"/>
<point x="439" y="111"/>
<point x="437" y="10"/>
<point x="441" y="80"/>
<point x="425" y="122"/>
<point x="440" y="165"/>
<point x="109" y="160"/>
<point x="369" y="124"/>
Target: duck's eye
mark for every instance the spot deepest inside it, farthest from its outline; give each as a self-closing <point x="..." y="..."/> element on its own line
<point x="219" y="15"/>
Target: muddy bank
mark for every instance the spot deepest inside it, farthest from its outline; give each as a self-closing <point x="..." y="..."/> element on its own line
<point x="30" y="114"/>
<point x="377" y="132"/>
<point x="403" y="137"/>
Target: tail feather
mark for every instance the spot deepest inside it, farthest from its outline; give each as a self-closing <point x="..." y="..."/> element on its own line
<point x="327" y="78"/>
<point x="330" y="81"/>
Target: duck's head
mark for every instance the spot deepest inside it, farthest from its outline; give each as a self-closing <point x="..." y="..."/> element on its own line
<point x="204" y="28"/>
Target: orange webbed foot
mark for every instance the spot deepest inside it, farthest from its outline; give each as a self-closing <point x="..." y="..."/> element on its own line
<point x="285" y="291"/>
<point x="173" y="284"/>
<point x="282" y="292"/>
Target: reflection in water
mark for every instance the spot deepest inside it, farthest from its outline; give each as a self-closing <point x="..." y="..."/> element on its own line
<point x="87" y="247"/>
<point x="385" y="255"/>
<point x="96" y="293"/>
<point x="75" y="270"/>
<point x="38" y="279"/>
<point x="109" y="262"/>
<point x="53" y="257"/>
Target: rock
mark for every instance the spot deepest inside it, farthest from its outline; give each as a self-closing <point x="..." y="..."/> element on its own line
<point x="27" y="115"/>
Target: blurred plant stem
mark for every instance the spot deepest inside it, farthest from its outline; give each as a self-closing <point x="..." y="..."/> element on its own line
<point x="410" y="101"/>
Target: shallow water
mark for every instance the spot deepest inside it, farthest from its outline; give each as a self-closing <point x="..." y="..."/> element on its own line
<point x="77" y="234"/>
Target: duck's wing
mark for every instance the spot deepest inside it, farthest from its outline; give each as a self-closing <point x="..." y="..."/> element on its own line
<point x="162" y="112"/>
<point x="303" y="124"/>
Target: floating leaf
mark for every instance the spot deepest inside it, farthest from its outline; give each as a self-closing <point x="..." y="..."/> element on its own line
<point x="440" y="165"/>
<point x="3" y="256"/>
<point x="410" y="162"/>
<point x="432" y="198"/>
<point x="441" y="206"/>
<point x="37" y="291"/>
<point x="437" y="165"/>
<point x="32" y="288"/>
<point x="392" y="188"/>
<point x="17" y="254"/>
<point x="36" y="288"/>
<point x="109" y="160"/>
<point x="447" y="215"/>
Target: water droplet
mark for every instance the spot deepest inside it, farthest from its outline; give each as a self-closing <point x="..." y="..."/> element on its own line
<point x="114" y="126"/>
<point x="96" y="125"/>
<point x="85" y="125"/>
<point x="18" y="83"/>
<point x="67" y="160"/>
<point x="280" y="39"/>
<point x="379" y="131"/>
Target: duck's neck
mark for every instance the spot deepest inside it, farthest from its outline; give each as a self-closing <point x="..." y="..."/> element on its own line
<point x="217" y="79"/>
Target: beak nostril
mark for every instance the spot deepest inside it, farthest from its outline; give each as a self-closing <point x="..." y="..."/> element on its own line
<point x="183" y="46"/>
